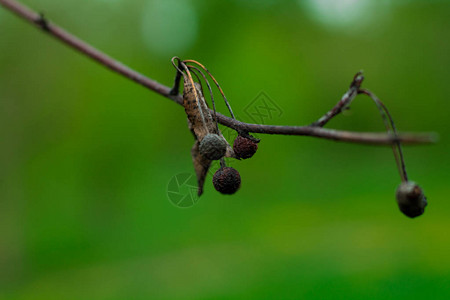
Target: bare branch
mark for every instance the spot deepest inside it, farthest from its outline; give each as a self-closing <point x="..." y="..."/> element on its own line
<point x="314" y="131"/>
<point x="345" y="101"/>
<point x="331" y="134"/>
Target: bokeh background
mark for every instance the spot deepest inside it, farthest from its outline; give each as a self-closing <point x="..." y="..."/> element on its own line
<point x="86" y="156"/>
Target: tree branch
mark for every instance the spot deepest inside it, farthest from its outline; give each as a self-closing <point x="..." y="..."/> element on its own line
<point x="314" y="130"/>
<point x="344" y="102"/>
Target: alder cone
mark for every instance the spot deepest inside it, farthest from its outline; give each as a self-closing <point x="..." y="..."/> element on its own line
<point x="244" y="147"/>
<point x="411" y="199"/>
<point x="227" y="180"/>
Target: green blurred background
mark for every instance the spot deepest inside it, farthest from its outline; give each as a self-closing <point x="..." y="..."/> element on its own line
<point x="86" y="155"/>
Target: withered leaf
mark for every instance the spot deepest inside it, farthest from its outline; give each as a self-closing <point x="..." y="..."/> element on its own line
<point x="200" y="123"/>
<point x="201" y="166"/>
<point x="200" y="118"/>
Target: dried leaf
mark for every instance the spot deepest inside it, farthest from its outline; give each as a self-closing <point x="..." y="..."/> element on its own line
<point x="197" y="112"/>
<point x="201" y="166"/>
<point x="200" y="122"/>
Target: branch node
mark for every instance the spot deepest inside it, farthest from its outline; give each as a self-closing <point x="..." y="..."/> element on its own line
<point x="42" y="22"/>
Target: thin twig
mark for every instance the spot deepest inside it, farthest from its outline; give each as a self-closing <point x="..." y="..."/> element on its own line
<point x="314" y="131"/>
<point x="344" y="103"/>
<point x="390" y="126"/>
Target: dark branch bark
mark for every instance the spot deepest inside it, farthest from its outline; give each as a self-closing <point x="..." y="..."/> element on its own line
<point x="314" y="130"/>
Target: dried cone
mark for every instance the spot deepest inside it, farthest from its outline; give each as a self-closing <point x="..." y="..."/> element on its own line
<point x="411" y="199"/>
<point x="244" y="147"/>
<point x="213" y="146"/>
<point x="227" y="180"/>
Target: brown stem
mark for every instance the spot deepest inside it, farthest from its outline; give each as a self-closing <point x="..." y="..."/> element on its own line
<point x="390" y="126"/>
<point x="315" y="131"/>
